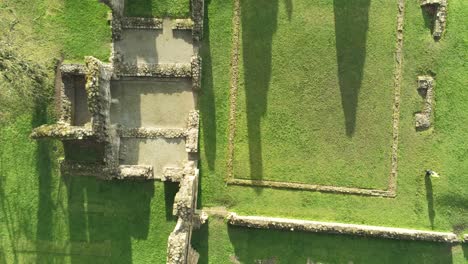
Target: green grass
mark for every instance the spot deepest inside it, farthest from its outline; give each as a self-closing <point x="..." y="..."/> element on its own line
<point x="47" y="218"/>
<point x="316" y="101"/>
<point x="157" y="8"/>
<point x="225" y="243"/>
<point x="438" y="205"/>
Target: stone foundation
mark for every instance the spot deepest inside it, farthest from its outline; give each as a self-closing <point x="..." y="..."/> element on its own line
<point x="440" y="15"/>
<point x="426" y="90"/>
<point x="338" y="228"/>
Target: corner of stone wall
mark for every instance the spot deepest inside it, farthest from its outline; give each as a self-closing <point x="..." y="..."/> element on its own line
<point x="98" y="77"/>
<point x="196" y="65"/>
<point x="179" y="250"/>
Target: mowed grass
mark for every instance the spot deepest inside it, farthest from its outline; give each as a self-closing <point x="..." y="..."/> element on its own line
<point x="219" y="243"/>
<point x="49" y="218"/>
<point x="315" y="104"/>
<point x="439" y="204"/>
<point x="157" y="8"/>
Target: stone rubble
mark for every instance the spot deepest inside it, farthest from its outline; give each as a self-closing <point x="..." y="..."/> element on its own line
<point x="426" y="90"/>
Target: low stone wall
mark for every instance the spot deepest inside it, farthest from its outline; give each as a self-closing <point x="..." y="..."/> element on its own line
<point x="176" y="174"/>
<point x="62" y="131"/>
<point x="338" y="228"/>
<point x="73" y="69"/>
<point x="426" y="90"/>
<point x="191" y="140"/>
<point x="182" y="24"/>
<point x="179" y="250"/>
<point x="141" y="23"/>
<point x="196" y="65"/>
<point x="135" y="172"/>
<point x="175" y="70"/>
<point x="312" y="187"/>
<point x="151" y="132"/>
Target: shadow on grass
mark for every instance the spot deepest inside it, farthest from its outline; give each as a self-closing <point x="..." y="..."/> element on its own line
<point x="258" y="20"/>
<point x="428" y="13"/>
<point x="105" y="216"/>
<point x="207" y="98"/>
<point x="252" y="245"/>
<point x="465" y="251"/>
<point x="200" y="240"/>
<point x="430" y="200"/>
<point x="45" y="208"/>
<point x="351" y="26"/>
<point x="138" y="8"/>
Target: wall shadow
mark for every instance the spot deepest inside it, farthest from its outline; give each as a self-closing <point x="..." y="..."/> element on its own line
<point x="138" y="8"/>
<point x="105" y="216"/>
<point x="259" y="23"/>
<point x="351" y="26"/>
<point x="207" y="98"/>
<point x="200" y="240"/>
<point x="430" y="200"/>
<point x="45" y="207"/>
<point x="251" y="245"/>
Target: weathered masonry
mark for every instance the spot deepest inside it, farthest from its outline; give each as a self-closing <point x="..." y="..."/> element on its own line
<point x="138" y="112"/>
<point x="437" y="8"/>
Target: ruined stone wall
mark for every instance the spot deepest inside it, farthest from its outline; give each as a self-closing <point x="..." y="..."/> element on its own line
<point x="426" y="90"/>
<point x="440" y="18"/>
<point x="338" y="228"/>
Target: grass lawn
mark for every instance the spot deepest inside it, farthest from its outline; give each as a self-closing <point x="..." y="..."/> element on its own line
<point x="315" y="104"/>
<point x="47" y="218"/>
<point x="157" y="8"/>
<point x="440" y="204"/>
<point x="219" y="243"/>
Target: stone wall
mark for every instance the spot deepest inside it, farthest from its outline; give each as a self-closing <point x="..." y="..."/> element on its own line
<point x="440" y="7"/>
<point x="196" y="66"/>
<point x="338" y="228"/>
<point x="174" y="70"/>
<point x="141" y="23"/>
<point x="179" y="250"/>
<point x="426" y="90"/>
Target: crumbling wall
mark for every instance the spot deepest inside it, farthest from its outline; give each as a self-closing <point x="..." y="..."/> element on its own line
<point x="338" y="228"/>
<point x="440" y="7"/>
<point x="196" y="71"/>
<point x="426" y="90"/>
<point x="179" y="250"/>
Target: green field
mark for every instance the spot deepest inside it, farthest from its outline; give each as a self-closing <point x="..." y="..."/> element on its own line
<point x="225" y="244"/>
<point x="292" y="83"/>
<point x="157" y="8"/>
<point x="315" y="104"/>
<point x="47" y="218"/>
<point x="439" y="204"/>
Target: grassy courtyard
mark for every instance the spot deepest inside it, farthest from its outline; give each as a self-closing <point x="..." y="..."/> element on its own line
<point x="316" y="93"/>
<point x="438" y="204"/>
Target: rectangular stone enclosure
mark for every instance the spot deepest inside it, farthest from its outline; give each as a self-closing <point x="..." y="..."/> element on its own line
<point x="75" y="91"/>
<point x="159" y="153"/>
<point x="152" y="46"/>
<point x="151" y="103"/>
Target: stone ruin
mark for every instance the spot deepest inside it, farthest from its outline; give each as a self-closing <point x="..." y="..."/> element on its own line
<point x="426" y="90"/>
<point x="139" y="112"/>
<point x="439" y="8"/>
